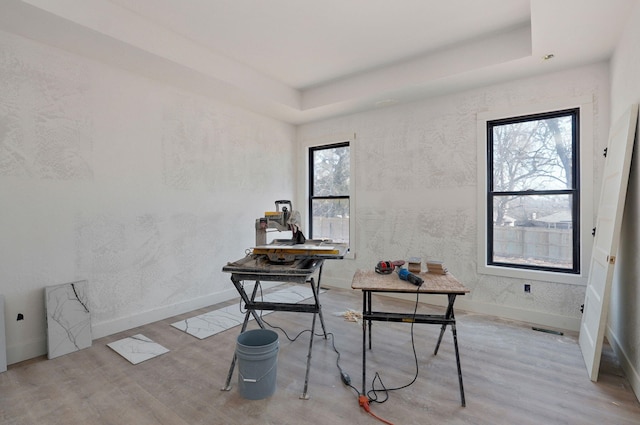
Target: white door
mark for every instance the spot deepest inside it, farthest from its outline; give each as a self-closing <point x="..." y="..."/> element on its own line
<point x="608" y="223"/>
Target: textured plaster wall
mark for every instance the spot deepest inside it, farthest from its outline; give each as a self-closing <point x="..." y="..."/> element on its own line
<point x="624" y="314"/>
<point x="141" y="189"/>
<point x="416" y="188"/>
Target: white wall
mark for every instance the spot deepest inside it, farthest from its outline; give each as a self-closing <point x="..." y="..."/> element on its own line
<point x="624" y="315"/>
<point x="147" y="191"/>
<point x="141" y="189"/>
<point x="416" y="188"/>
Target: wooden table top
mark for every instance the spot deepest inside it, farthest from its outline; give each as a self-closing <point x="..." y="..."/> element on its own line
<point x="369" y="280"/>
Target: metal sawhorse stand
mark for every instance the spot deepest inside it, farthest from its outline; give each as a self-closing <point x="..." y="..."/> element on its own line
<point x="258" y="268"/>
<point x="369" y="282"/>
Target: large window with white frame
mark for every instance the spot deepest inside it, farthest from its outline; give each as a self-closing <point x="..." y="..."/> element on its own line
<point x="535" y="183"/>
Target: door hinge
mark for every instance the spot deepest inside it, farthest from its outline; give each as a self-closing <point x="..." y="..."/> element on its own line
<point x="605" y="152"/>
<point x="593" y="231"/>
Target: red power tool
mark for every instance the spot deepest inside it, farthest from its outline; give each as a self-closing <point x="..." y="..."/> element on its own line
<point x="386" y="267"/>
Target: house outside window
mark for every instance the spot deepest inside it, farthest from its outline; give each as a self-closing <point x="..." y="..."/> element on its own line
<point x="533" y="192"/>
<point x="329" y="192"/>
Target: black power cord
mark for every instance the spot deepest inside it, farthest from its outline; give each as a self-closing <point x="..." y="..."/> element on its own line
<point x="372" y="394"/>
<point x="344" y="376"/>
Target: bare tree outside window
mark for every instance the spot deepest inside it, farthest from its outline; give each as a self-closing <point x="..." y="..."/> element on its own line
<point x="533" y="191"/>
<point x="329" y="192"/>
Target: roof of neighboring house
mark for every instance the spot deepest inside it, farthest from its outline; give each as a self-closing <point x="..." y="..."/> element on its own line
<point x="559" y="217"/>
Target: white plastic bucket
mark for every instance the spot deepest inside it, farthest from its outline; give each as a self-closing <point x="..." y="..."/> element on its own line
<point x="257" y="353"/>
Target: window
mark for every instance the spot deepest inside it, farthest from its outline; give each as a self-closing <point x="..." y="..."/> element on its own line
<point x="533" y="192"/>
<point x="329" y="192"/>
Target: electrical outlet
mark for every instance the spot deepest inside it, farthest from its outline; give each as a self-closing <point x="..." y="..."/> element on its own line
<point x="527" y="288"/>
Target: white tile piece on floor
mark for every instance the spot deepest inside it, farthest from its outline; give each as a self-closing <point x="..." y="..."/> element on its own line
<point x="137" y="348"/>
<point x="290" y="295"/>
<point x="3" y="342"/>
<point x="213" y="322"/>
<point x="68" y="318"/>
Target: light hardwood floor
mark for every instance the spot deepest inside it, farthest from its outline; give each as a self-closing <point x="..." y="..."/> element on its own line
<point x="512" y="375"/>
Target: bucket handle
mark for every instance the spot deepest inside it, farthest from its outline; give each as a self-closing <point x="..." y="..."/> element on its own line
<point x="254" y="380"/>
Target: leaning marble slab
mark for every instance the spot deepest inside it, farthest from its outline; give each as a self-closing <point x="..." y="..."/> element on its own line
<point x="213" y="322"/>
<point x="68" y="318"/>
<point x="3" y="342"/>
<point x="137" y="348"/>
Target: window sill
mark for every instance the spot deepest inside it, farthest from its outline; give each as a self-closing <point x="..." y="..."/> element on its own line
<point x="539" y="275"/>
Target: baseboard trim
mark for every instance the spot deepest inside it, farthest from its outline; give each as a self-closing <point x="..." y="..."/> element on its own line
<point x="523" y="315"/>
<point x="38" y="347"/>
<point x="100" y="330"/>
<point x="627" y="365"/>
<point x="26" y="350"/>
<point x="512" y="313"/>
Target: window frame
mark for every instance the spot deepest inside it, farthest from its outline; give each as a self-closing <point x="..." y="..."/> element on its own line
<point x="312" y="197"/>
<point x="307" y="141"/>
<point x="584" y="209"/>
<point x="573" y="192"/>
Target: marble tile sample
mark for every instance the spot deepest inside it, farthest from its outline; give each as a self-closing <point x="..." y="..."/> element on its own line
<point x="213" y="322"/>
<point x="3" y="342"/>
<point x="137" y="348"/>
<point x="292" y="294"/>
<point x="68" y="318"/>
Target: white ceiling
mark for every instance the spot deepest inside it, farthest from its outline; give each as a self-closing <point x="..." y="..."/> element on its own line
<point x="304" y="60"/>
<point x="308" y="43"/>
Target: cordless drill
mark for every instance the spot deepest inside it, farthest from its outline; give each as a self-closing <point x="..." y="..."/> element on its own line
<point x="405" y="274"/>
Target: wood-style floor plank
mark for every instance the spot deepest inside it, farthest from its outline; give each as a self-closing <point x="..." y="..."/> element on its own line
<point x="512" y="375"/>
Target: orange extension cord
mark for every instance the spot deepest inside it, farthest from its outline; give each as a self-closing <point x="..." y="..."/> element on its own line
<point x="364" y="402"/>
